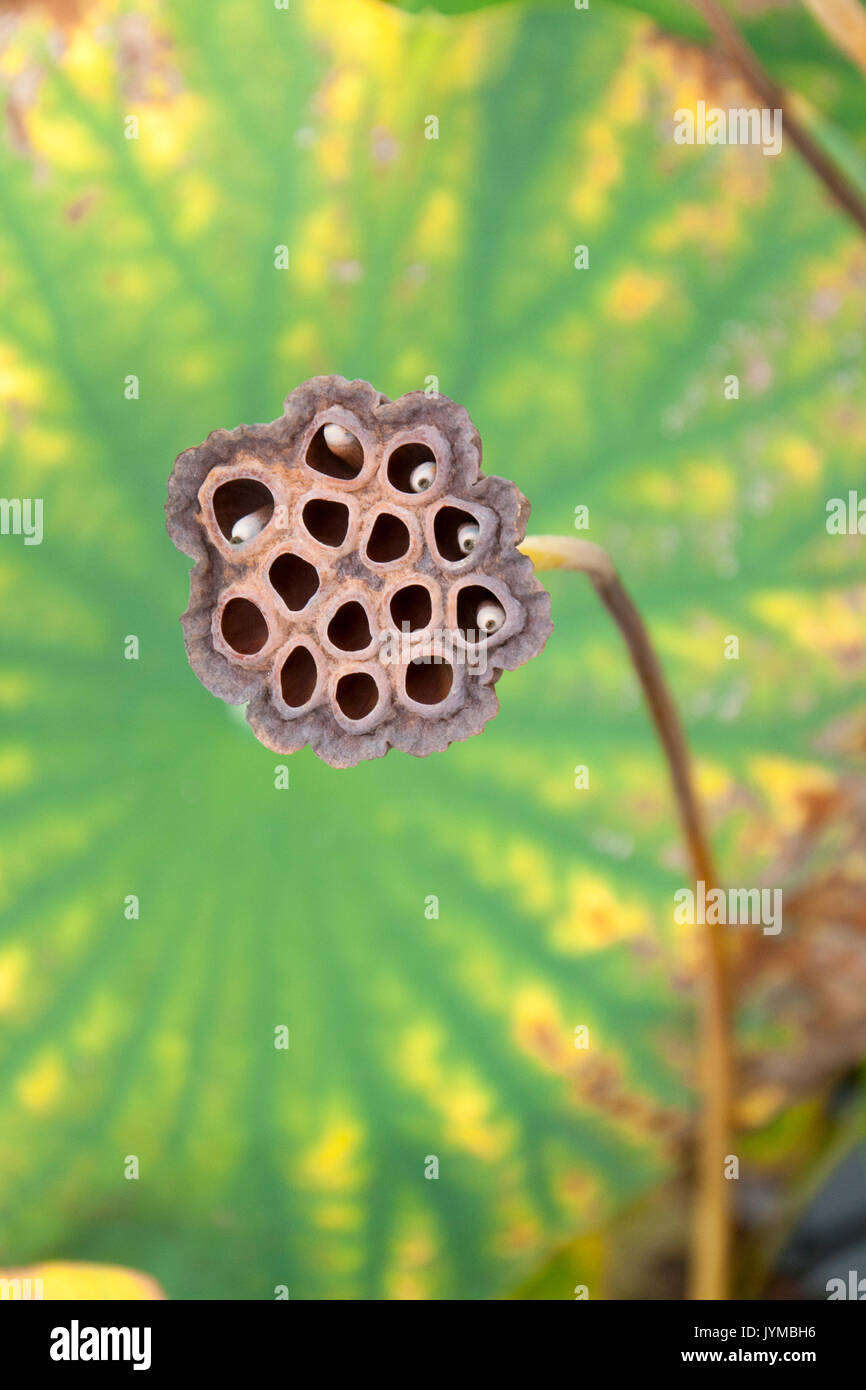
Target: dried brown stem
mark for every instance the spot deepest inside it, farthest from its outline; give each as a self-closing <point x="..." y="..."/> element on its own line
<point x="711" y="1238"/>
<point x="747" y="63"/>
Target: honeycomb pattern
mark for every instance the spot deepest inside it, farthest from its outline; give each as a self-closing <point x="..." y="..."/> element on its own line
<point x="357" y="579"/>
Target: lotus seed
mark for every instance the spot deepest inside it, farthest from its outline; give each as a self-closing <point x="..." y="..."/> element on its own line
<point x="343" y="443"/>
<point x="422" y="477"/>
<point x="467" y="537"/>
<point x="490" y="617"/>
<point x="250" y="525"/>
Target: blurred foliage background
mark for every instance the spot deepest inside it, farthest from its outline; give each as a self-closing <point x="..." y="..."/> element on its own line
<point x="602" y="388"/>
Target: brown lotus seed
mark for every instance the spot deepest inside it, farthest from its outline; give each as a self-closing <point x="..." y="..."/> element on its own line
<point x="422" y="477"/>
<point x="344" y="444"/>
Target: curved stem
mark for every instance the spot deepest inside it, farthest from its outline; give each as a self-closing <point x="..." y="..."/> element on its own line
<point x="744" y="58"/>
<point x="711" y="1239"/>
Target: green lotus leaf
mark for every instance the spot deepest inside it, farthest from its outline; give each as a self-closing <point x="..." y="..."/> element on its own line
<point x="430" y="932"/>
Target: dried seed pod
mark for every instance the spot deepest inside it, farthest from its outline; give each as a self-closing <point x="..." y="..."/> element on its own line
<point x="357" y="579"/>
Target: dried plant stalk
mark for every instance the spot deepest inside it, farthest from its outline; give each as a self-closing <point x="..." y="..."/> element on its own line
<point x="745" y="60"/>
<point x="711" y="1238"/>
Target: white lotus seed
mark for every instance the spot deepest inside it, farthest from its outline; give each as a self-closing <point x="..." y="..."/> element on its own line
<point x="250" y="525"/>
<point x="467" y="536"/>
<point x="343" y="443"/>
<point x="490" y="617"/>
<point x="422" y="476"/>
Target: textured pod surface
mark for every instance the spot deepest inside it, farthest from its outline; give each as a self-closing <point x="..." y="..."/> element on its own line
<point x="353" y="619"/>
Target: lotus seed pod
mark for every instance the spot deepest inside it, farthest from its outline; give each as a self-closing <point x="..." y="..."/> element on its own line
<point x="357" y="580"/>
